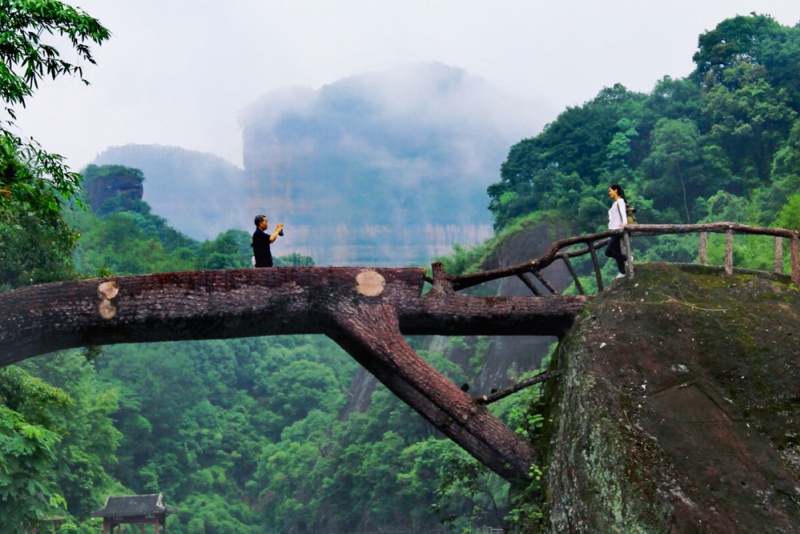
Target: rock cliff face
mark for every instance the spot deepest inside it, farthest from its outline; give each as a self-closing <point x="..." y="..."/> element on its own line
<point x="126" y="185"/>
<point x="511" y="356"/>
<point x="678" y="409"/>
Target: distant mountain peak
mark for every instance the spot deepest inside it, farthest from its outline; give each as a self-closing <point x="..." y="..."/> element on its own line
<point x="381" y="168"/>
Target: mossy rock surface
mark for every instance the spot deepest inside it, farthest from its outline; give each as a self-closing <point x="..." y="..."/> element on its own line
<point x="678" y="409"/>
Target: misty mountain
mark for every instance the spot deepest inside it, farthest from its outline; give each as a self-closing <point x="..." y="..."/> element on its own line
<point x="199" y="194"/>
<point x="382" y="168"/>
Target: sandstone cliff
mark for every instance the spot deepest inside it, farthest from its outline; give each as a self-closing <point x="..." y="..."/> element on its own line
<point x="679" y="407"/>
<point x="104" y="184"/>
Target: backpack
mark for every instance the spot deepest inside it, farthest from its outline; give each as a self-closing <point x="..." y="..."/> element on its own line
<point x="629" y="212"/>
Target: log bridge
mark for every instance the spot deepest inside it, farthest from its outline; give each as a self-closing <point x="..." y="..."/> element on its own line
<point x="366" y="311"/>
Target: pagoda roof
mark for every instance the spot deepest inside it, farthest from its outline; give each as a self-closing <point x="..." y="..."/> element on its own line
<point x="133" y="505"/>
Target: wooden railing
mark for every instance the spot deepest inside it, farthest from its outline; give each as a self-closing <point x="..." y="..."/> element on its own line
<point x="563" y="250"/>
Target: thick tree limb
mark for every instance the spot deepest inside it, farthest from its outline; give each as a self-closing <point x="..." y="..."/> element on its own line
<point x="369" y="332"/>
<point x="251" y="302"/>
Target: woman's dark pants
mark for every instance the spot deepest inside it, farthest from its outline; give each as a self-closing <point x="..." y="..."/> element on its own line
<point x="614" y="250"/>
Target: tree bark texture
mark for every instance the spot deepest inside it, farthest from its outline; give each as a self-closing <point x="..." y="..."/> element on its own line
<point x="366" y="311"/>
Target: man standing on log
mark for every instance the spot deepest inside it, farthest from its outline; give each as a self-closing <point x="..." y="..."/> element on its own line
<point x="262" y="241"/>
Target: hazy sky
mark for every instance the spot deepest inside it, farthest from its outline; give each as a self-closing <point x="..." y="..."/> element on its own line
<point x="179" y="72"/>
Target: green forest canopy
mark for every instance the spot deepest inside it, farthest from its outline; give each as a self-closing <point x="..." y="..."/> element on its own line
<point x="692" y="150"/>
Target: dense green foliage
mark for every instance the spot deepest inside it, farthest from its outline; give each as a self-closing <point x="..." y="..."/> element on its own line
<point x="685" y="153"/>
<point x="35" y="243"/>
<point x="36" y="246"/>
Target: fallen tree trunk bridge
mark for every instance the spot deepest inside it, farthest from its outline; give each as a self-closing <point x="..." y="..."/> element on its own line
<point x="366" y="311"/>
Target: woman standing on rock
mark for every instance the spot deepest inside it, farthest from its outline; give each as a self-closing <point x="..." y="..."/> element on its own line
<point x="617" y="219"/>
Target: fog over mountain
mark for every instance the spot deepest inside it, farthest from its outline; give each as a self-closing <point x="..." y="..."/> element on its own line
<point x="386" y="168"/>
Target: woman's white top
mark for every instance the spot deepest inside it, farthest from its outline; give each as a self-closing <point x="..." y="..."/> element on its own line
<point x="616" y="214"/>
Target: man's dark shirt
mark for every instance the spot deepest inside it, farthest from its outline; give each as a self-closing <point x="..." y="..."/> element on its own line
<point x="261" y="249"/>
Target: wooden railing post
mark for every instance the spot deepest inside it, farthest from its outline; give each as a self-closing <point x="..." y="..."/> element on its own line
<point x="597" y="273"/>
<point x="778" y="256"/>
<point x="529" y="284"/>
<point x="571" y="270"/>
<point x="703" y="248"/>
<point x="538" y="274"/>
<point x="626" y="238"/>
<point x="729" y="252"/>
<point x="795" y="259"/>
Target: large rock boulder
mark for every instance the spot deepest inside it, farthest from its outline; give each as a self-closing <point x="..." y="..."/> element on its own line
<point x="678" y="409"/>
